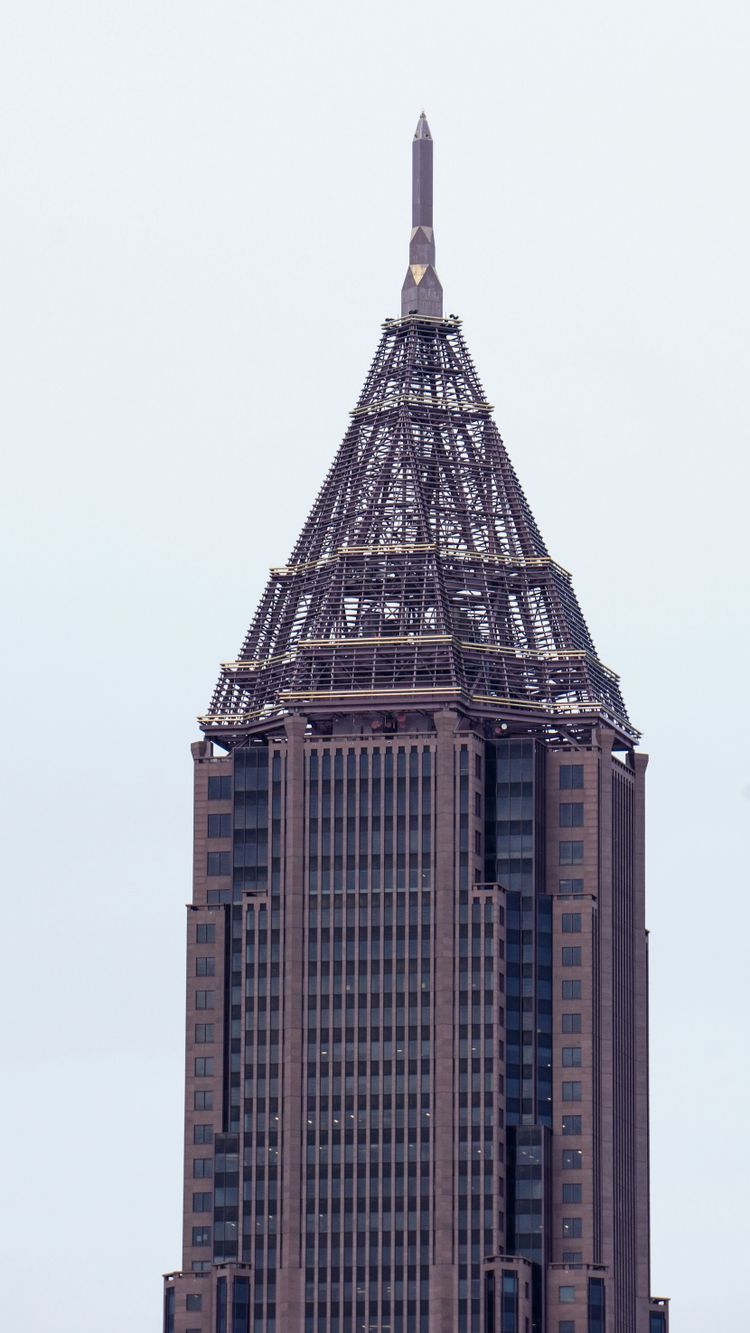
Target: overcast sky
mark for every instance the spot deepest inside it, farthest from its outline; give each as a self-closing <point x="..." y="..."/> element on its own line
<point x="205" y="217"/>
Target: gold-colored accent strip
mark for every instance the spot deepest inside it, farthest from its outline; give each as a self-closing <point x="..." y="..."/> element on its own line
<point x="421" y="400"/>
<point x="407" y="548"/>
<point x="370" y="694"/>
<point x="453" y="320"/>
<point x="425" y="640"/>
<point x="410" y="640"/>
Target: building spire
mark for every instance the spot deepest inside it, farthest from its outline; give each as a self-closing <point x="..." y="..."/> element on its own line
<point x="421" y="293"/>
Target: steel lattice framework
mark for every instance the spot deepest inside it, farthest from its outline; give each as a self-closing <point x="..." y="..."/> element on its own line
<point x="420" y="577"/>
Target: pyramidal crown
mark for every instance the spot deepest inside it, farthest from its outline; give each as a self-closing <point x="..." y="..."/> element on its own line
<point x="420" y="579"/>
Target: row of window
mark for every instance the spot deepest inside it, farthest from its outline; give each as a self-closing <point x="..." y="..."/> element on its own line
<point x="571" y="853"/>
<point x="571" y="778"/>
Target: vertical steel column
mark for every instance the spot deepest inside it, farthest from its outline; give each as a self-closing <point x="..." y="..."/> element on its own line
<point x="290" y="1299"/>
<point x="640" y="946"/>
<point x="443" y="1288"/>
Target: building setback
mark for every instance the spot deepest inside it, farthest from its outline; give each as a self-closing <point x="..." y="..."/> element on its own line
<point x="417" y="1048"/>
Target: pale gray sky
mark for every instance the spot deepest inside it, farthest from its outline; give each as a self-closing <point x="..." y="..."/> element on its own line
<point x="205" y="217"/>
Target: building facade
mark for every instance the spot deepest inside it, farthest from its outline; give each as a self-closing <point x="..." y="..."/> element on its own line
<point x="417" y="1047"/>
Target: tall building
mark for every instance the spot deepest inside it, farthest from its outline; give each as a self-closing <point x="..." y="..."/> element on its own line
<point x="417" y="1048"/>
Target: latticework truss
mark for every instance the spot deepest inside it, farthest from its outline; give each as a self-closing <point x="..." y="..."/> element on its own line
<point x="420" y="576"/>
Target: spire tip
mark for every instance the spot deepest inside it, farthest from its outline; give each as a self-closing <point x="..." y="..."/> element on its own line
<point x="423" y="130"/>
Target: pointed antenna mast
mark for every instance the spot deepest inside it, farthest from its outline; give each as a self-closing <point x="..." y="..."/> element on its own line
<point x="421" y="293"/>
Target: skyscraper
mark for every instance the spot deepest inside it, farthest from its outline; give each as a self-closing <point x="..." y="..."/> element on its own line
<point x="417" y="1083"/>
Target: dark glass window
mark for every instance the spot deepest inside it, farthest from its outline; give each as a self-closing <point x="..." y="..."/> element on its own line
<point x="596" y="1305"/>
<point x="572" y="1193"/>
<point x="203" y="1167"/>
<point x="571" y="814"/>
<point x="572" y="1092"/>
<point x="205" y="967"/>
<point x="571" y="923"/>
<point x="204" y="1066"/>
<point x="571" y="1055"/>
<point x="201" y="1204"/>
<point x="205" y="934"/>
<point x="571" y="853"/>
<point x="572" y="1124"/>
<point x="204" y="1032"/>
<point x="574" y="886"/>
<point x="571" y="1022"/>
<point x="572" y="1159"/>
<point x="572" y="1226"/>
<point x="203" y="1134"/>
<point x="657" y="1322"/>
<point x="571" y="776"/>
<point x="571" y="956"/>
<point x="201" y="1236"/>
<point x="219" y="826"/>
<point x="571" y="990"/>
<point x="219" y="863"/>
<point x="219" y="789"/>
<point x="204" y="999"/>
<point x="566" y="1326"/>
<point x="193" y="1302"/>
<point x="203" y="1101"/>
<point x="567" y="1295"/>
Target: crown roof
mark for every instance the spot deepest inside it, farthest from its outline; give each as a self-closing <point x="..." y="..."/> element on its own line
<point x="420" y="578"/>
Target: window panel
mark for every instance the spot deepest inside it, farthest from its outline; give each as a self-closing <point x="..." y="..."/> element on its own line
<point x="571" y="886"/>
<point x="219" y="826"/>
<point x="571" y="1022"/>
<point x="572" y="1193"/>
<point x="572" y="1159"/>
<point x="571" y="956"/>
<point x="572" y="1092"/>
<point x="572" y="1124"/>
<point x="571" y="814"/>
<point x="571" y="1055"/>
<point x="571" y="853"/>
<point x="571" y="923"/>
<point x="571" y="990"/>
<point x="219" y="863"/>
